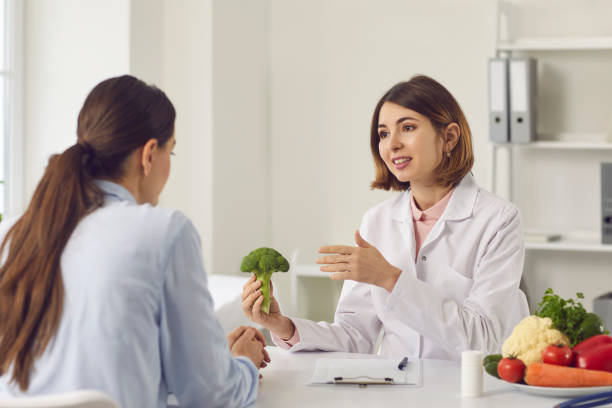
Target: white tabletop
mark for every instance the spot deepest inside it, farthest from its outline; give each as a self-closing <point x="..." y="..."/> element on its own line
<point x="284" y="384"/>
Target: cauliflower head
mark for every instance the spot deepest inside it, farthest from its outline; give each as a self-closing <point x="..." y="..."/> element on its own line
<point x="530" y="337"/>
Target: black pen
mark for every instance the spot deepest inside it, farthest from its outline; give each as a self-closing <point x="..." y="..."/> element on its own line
<point x="402" y="365"/>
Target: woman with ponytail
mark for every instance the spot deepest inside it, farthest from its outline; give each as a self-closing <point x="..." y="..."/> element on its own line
<point x="100" y="289"/>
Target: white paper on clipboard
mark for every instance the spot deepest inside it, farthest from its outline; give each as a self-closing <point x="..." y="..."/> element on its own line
<point x="366" y="371"/>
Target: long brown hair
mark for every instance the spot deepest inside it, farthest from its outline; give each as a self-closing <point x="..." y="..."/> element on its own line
<point x="428" y="97"/>
<point x="119" y="115"/>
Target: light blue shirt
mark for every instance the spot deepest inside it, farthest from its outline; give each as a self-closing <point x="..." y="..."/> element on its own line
<point x="138" y="318"/>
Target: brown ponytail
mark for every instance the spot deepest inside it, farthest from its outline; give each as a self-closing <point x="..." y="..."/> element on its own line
<point x="119" y="115"/>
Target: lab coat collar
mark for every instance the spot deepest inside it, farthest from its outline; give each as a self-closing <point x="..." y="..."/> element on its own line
<point x="115" y="190"/>
<point x="460" y="206"/>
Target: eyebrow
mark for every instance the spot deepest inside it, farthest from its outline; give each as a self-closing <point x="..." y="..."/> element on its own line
<point x="400" y="120"/>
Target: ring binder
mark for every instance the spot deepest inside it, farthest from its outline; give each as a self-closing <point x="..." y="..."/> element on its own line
<point x="523" y="89"/>
<point x="499" y="126"/>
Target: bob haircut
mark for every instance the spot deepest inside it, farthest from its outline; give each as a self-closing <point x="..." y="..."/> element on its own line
<point x="426" y="96"/>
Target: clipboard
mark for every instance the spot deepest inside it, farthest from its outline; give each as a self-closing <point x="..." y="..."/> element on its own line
<point x="375" y="371"/>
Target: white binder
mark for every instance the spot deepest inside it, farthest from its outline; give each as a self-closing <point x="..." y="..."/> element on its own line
<point x="499" y="126"/>
<point x="523" y="89"/>
<point x="606" y="203"/>
<point x="366" y="371"/>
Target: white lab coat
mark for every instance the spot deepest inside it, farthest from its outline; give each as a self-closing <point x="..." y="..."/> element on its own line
<point x="461" y="293"/>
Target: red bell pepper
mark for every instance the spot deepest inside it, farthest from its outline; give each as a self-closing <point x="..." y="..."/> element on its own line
<point x="598" y="358"/>
<point x="589" y="344"/>
<point x="592" y="342"/>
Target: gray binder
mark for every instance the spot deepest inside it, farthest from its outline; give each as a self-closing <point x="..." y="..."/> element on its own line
<point x="606" y="203"/>
<point x="499" y="126"/>
<point x="523" y="89"/>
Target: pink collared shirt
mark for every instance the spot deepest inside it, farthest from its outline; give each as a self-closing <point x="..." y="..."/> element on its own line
<point x="425" y="220"/>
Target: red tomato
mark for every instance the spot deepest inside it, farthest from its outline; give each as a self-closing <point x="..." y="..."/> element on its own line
<point x="557" y="354"/>
<point x="511" y="369"/>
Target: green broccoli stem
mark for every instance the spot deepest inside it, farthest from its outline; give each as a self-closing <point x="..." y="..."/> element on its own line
<point x="264" y="278"/>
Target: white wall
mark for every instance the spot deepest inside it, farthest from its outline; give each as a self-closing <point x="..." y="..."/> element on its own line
<point x="241" y="109"/>
<point x="221" y="183"/>
<point x="72" y="45"/>
<point x="330" y="63"/>
<point x="186" y="70"/>
<point x="147" y="31"/>
<point x="69" y="48"/>
<point x="15" y="168"/>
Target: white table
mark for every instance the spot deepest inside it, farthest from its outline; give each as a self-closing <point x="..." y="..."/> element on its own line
<point x="284" y="384"/>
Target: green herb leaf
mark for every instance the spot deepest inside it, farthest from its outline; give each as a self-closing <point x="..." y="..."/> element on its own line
<point x="569" y="317"/>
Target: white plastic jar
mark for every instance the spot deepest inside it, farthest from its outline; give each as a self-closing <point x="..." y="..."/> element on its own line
<point x="471" y="373"/>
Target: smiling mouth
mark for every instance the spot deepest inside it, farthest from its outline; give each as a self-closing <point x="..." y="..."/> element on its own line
<point x="401" y="160"/>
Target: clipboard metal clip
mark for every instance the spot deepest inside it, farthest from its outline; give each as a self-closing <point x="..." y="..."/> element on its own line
<point x="363" y="380"/>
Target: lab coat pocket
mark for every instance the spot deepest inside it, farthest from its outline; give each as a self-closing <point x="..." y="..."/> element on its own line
<point x="452" y="284"/>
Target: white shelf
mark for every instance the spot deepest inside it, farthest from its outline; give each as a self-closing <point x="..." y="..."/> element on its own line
<point x="557" y="44"/>
<point x="569" y="245"/>
<point x="550" y="145"/>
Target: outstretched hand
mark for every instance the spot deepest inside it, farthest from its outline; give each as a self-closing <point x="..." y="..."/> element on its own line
<point x="363" y="263"/>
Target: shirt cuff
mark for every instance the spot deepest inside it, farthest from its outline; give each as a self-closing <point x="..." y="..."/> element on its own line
<point x="287" y="344"/>
<point x="403" y="283"/>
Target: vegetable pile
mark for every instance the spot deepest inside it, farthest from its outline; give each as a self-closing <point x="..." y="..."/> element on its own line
<point x="562" y="345"/>
<point x="263" y="262"/>
<point x="530" y="337"/>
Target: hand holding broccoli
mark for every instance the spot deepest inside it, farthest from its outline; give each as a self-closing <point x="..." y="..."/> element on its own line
<point x="263" y="262"/>
<point x="258" y="301"/>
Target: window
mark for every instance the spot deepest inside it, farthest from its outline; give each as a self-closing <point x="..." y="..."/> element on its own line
<point x="11" y="91"/>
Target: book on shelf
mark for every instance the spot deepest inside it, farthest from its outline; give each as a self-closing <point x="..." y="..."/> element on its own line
<point x="538" y="236"/>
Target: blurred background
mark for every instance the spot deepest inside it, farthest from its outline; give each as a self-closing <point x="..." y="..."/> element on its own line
<point x="274" y="102"/>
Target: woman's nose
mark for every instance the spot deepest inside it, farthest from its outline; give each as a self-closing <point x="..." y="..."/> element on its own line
<point x="395" y="142"/>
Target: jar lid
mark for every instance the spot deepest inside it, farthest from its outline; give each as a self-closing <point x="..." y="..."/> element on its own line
<point x="471" y="357"/>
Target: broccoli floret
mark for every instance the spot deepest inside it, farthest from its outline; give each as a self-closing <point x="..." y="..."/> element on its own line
<point x="263" y="262"/>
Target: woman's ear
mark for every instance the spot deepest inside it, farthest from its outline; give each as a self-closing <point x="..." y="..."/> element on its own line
<point x="451" y="137"/>
<point x="147" y="156"/>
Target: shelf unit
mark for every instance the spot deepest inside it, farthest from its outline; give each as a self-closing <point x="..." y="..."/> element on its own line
<point x="550" y="145"/>
<point x="569" y="245"/>
<point x="506" y="47"/>
<point x="557" y="44"/>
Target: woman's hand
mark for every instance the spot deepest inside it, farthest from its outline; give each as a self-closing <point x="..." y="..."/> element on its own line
<point x="250" y="343"/>
<point x="362" y="263"/>
<point x="276" y="322"/>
